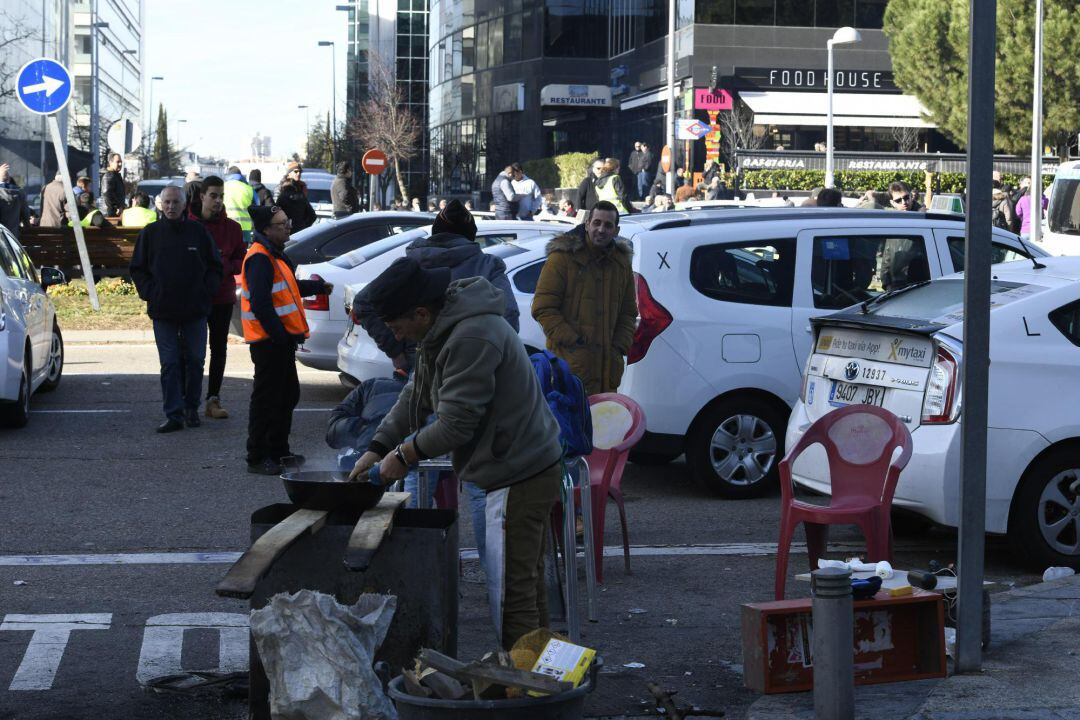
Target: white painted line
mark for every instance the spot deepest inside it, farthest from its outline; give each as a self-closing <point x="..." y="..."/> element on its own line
<point x="51" y="633"/>
<point x="224" y="558"/>
<point x="325" y="409"/>
<point x="74" y="412"/>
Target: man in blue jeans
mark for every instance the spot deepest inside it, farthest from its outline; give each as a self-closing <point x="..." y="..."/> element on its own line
<point x="176" y="268"/>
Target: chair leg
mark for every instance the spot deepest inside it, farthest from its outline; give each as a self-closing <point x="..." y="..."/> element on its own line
<point x="878" y="534"/>
<point x="783" y="548"/>
<point x="617" y="497"/>
<point x="817" y="538"/>
<point x="599" y="510"/>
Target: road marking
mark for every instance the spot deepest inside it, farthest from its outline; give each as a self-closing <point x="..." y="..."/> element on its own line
<point x="59" y="412"/>
<point x="163" y="642"/>
<point x="51" y="633"/>
<point x="225" y="558"/>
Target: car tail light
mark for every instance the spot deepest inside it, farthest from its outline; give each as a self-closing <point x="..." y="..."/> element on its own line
<point x="317" y="302"/>
<point x="940" y="401"/>
<point x="653" y="319"/>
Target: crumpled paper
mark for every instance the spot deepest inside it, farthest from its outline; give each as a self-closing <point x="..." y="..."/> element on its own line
<point x="318" y="655"/>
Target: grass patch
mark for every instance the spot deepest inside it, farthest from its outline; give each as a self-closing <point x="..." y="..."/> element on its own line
<point x="121" y="308"/>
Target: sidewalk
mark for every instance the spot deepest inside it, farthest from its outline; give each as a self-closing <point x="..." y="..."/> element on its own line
<point x="1029" y="670"/>
<point x="112" y="337"/>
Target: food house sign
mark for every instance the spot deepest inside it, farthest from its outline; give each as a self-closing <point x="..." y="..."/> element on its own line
<point x="813" y="79"/>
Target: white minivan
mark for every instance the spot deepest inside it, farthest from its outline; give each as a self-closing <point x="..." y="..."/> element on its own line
<point x="725" y="299"/>
<point x="906" y="354"/>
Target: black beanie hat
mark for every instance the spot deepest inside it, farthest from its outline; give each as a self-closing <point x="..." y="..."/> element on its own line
<point x="404" y="286"/>
<point x="261" y="216"/>
<point x="455" y="218"/>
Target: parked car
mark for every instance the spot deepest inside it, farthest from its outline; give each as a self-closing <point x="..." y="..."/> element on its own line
<point x="360" y="359"/>
<point x="29" y="333"/>
<point x="906" y="354"/>
<point x="1061" y="228"/>
<point x="326" y="314"/>
<point x="725" y="300"/>
<point x="153" y="188"/>
<point x="327" y="241"/>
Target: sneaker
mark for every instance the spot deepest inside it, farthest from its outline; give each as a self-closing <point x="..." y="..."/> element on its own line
<point x="266" y="467"/>
<point x="191" y="418"/>
<point x="214" y="409"/>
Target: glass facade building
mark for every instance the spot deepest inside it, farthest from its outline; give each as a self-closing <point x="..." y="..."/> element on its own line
<point x="524" y="79"/>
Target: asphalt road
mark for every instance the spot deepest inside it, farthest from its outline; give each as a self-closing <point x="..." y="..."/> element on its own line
<point x="90" y="482"/>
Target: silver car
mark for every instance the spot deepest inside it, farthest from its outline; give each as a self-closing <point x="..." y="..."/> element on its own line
<point x="31" y="345"/>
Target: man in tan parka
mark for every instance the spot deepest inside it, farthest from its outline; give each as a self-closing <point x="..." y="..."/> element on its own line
<point x="586" y="299"/>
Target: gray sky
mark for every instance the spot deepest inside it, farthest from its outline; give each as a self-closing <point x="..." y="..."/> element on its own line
<point x="236" y="67"/>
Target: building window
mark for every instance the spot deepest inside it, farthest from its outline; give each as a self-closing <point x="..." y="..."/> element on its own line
<point x="834" y="13"/>
<point x="714" y="12"/>
<point x="755" y="12"/>
<point x="576" y="28"/>
<point x="794" y="13"/>
<point x="512" y="38"/>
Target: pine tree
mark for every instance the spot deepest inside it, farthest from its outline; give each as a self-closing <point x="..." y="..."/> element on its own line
<point x="163" y="158"/>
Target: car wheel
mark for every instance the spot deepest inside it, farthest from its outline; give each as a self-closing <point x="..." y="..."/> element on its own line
<point x="17" y="414"/>
<point x="1044" y="521"/>
<point x="56" y="360"/>
<point x="651" y="458"/>
<point x="735" y="448"/>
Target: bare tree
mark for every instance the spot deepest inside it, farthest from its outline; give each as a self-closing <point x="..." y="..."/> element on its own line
<point x="737" y="130"/>
<point x="385" y="120"/>
<point x="906" y="138"/>
<point x="13" y="31"/>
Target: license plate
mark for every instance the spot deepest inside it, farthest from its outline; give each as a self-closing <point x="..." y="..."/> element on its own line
<point x="843" y="393"/>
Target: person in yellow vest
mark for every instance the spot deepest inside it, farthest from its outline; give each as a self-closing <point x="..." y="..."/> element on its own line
<point x="272" y="316"/>
<point x="139" y="214"/>
<point x="89" y="214"/>
<point x="609" y="186"/>
<point x="239" y="197"/>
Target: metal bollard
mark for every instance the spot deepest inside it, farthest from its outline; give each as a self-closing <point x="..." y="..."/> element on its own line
<point x="834" y="641"/>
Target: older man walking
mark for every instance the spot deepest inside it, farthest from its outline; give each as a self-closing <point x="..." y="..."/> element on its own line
<point x="586" y="299"/>
<point x="177" y="269"/>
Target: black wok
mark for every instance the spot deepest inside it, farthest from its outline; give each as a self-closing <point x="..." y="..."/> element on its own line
<point x="330" y="490"/>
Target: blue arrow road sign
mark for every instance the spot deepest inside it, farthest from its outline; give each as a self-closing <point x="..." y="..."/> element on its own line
<point x="43" y="86"/>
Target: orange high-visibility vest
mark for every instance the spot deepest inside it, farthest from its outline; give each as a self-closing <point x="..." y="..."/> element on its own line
<point x="286" y="296"/>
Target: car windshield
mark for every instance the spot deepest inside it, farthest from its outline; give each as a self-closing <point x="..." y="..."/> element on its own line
<point x="1065" y="206"/>
<point x="361" y="255"/>
<point x="318" y="195"/>
<point x="943" y="300"/>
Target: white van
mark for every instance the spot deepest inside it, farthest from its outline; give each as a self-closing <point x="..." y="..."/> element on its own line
<point x="1061" y="229"/>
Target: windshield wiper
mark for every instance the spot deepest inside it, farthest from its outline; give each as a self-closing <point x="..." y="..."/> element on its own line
<point x="867" y="304"/>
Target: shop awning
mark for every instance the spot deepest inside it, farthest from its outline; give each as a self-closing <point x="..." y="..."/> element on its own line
<point x="849" y="109"/>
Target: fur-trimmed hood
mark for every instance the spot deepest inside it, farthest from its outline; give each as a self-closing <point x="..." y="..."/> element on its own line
<point x="574" y="240"/>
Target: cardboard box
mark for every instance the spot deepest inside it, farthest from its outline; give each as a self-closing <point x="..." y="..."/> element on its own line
<point x="564" y="661"/>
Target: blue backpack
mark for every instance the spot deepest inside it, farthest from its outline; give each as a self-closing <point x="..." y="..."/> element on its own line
<point x="569" y="404"/>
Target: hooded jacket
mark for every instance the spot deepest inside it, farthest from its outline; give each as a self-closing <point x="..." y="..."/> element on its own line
<point x="354" y="421"/>
<point x="343" y="196"/>
<point x="586" y="302"/>
<point x="1002" y="205"/>
<point x="292" y="198"/>
<point x="465" y="259"/>
<point x="473" y="374"/>
<point x="229" y="239"/>
<point x="13" y="210"/>
<point x="176" y="268"/>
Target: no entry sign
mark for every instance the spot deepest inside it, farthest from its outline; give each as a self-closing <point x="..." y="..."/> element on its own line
<point x="373" y="162"/>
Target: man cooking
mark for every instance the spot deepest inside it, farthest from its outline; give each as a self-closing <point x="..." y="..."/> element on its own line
<point x="472" y="372"/>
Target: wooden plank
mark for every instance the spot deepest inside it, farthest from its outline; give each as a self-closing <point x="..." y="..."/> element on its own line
<point x="493" y="674"/>
<point x="242" y="577"/>
<point x="371" y="529"/>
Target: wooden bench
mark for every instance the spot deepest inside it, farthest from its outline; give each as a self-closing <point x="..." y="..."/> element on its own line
<point x="110" y="249"/>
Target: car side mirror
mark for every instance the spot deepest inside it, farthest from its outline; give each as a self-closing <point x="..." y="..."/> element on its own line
<point x="52" y="276"/>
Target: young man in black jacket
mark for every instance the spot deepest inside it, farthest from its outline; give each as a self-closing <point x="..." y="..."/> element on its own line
<point x="176" y="268"/>
<point x="112" y="186"/>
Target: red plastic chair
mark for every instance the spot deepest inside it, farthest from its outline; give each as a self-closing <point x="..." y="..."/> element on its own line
<point x="860" y="442"/>
<point x="605" y="480"/>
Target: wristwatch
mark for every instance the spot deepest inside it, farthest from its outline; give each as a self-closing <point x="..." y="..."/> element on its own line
<point x="400" y="456"/>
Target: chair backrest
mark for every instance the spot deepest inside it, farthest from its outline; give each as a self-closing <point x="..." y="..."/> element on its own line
<point x="618" y="424"/>
<point x="859" y="441"/>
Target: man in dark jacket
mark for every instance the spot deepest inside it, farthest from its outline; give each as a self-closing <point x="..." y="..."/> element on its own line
<point x="229" y="238"/>
<point x="343" y="193"/>
<point x="472" y="373"/>
<point x="112" y="186"/>
<point x="634" y="164"/>
<point x="643" y="174"/>
<point x="503" y="201"/>
<point x="274" y="324"/>
<point x="263" y="196"/>
<point x="452" y="245"/>
<point x="292" y="198"/>
<point x="14" y="212"/>
<point x="177" y="269"/>
<point x="586" y="192"/>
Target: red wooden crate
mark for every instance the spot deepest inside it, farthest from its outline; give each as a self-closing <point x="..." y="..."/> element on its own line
<point x="896" y="639"/>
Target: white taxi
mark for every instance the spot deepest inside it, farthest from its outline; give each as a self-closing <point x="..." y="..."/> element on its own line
<point x="905" y="353"/>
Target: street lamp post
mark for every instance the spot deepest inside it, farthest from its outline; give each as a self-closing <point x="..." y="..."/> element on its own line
<point x="1035" y="191"/>
<point x="333" y="103"/>
<point x="307" y="123"/>
<point x="95" y="102"/>
<point x="843" y="36"/>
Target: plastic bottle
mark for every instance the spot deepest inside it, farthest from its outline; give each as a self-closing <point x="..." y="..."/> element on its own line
<point x="1056" y="573"/>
